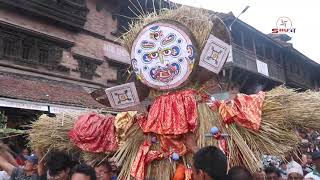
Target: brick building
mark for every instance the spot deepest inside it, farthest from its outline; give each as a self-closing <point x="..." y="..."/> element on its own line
<point x="54" y="53"/>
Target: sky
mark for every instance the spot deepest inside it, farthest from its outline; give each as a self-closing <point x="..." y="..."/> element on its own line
<point x="263" y="15"/>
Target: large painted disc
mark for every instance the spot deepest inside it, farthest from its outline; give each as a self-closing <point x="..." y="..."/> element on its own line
<point x="163" y="55"/>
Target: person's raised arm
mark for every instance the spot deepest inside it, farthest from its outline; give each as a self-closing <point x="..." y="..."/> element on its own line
<point x="41" y="167"/>
<point x="5" y="159"/>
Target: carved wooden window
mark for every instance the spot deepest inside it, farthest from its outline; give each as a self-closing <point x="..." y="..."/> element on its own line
<point x="10" y="47"/>
<point x="69" y="13"/>
<point x="269" y="51"/>
<point x="27" y="47"/>
<point x="31" y="50"/>
<point x="248" y="44"/>
<point x="87" y="66"/>
<point x="44" y="54"/>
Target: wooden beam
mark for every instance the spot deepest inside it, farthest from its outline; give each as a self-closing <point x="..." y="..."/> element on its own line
<point x="230" y="78"/>
<point x="254" y="46"/>
<point x="244" y="81"/>
<point x="263" y="49"/>
<point x="242" y="38"/>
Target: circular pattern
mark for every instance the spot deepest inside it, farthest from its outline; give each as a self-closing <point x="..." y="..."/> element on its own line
<point x="167" y="51"/>
<point x="175" y="156"/>
<point x="214" y="130"/>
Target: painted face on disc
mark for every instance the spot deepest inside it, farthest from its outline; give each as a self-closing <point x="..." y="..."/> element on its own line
<point x="163" y="56"/>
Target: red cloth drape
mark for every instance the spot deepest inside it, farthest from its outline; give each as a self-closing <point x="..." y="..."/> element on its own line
<point x="94" y="133"/>
<point x="245" y="110"/>
<point x="143" y="158"/>
<point x="172" y="114"/>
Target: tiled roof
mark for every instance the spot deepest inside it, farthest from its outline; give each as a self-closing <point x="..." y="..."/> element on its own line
<point x="45" y="91"/>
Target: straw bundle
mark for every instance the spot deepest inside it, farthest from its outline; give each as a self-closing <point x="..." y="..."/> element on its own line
<point x="93" y="158"/>
<point x="197" y="21"/>
<point x="276" y="135"/>
<point x="126" y="154"/>
<point x="51" y="133"/>
<point x="292" y="109"/>
<point x="162" y="169"/>
<point x="207" y="119"/>
<point x="303" y="109"/>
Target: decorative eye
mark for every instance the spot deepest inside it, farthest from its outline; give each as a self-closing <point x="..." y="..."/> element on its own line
<point x="153" y="55"/>
<point x="175" y="51"/>
<point x="167" y="52"/>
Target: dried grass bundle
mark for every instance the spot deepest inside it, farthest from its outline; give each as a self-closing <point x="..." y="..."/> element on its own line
<point x="51" y="133"/>
<point x="196" y="20"/>
<point x="247" y="147"/>
<point x="162" y="169"/>
<point x="303" y="109"/>
<point x="292" y="109"/>
<point x="48" y="133"/>
<point x="207" y="119"/>
<point x="126" y="154"/>
<point x="94" y="158"/>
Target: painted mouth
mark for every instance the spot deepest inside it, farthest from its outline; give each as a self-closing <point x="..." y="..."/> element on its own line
<point x="165" y="74"/>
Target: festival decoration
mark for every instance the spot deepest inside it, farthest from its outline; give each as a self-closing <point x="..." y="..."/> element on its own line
<point x="160" y="143"/>
<point x="94" y="133"/>
<point x="163" y="55"/>
<point x="214" y="54"/>
<point x="123" y="96"/>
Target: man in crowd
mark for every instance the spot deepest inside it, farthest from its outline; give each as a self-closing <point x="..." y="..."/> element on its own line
<point x="58" y="165"/>
<point x="260" y="175"/>
<point x="239" y="173"/>
<point x="9" y="165"/>
<point x="315" y="174"/>
<point x="272" y="173"/>
<point x="209" y="163"/>
<point x="103" y="171"/>
<point x="21" y="157"/>
<point x="294" y="171"/>
<point x="83" y="172"/>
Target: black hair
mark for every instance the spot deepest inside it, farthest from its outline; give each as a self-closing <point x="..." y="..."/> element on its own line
<point x="57" y="161"/>
<point x="239" y="173"/>
<point x="272" y="169"/>
<point x="104" y="163"/>
<point x="84" y="169"/>
<point x="212" y="161"/>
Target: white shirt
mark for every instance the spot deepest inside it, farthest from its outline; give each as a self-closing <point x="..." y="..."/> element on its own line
<point x="4" y="175"/>
<point x="311" y="175"/>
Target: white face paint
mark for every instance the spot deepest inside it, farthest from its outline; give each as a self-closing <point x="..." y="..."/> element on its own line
<point x="162" y="56"/>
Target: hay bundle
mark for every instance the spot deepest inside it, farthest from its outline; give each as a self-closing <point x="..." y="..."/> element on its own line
<point x="207" y="119"/>
<point x="126" y="154"/>
<point x="303" y="109"/>
<point x="292" y="109"/>
<point x="197" y="21"/>
<point x="276" y="135"/>
<point x="51" y="133"/>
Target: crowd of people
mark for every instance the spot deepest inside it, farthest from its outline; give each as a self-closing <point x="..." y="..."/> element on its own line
<point x="55" y="165"/>
<point x="209" y="163"/>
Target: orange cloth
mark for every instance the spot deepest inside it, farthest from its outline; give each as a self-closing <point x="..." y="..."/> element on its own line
<point x="245" y="110"/>
<point x="182" y="173"/>
<point x="170" y="144"/>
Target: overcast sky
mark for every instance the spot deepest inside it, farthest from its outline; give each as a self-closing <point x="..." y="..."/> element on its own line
<point x="263" y="15"/>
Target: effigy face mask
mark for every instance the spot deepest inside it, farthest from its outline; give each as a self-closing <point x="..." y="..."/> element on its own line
<point x="163" y="55"/>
